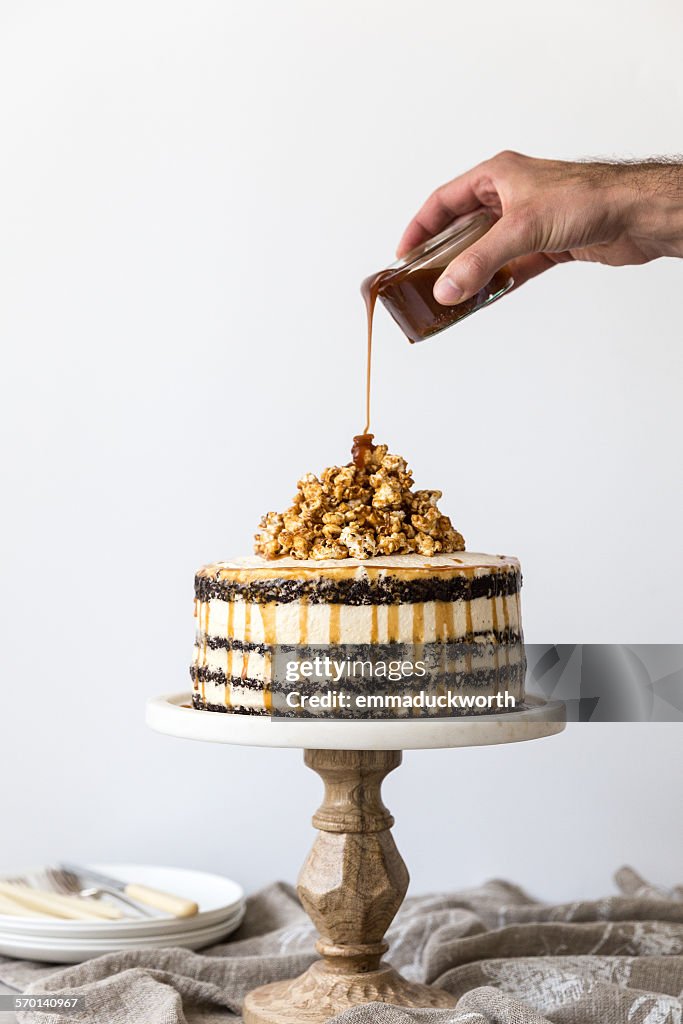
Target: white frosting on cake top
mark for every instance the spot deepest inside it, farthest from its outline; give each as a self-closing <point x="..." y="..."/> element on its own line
<point x="464" y="559"/>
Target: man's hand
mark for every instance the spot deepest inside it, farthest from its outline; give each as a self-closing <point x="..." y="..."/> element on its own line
<point x="549" y="212"/>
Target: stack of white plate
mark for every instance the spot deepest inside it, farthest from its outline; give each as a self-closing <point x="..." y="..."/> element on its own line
<point x="221" y="909"/>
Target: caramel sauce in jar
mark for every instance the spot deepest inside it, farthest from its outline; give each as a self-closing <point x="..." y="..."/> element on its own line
<point x="406" y="287"/>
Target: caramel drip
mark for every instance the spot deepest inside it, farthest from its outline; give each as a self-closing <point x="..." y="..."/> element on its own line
<point x="229" y="634"/>
<point x="418" y="638"/>
<point x="198" y="650"/>
<point x="494" y="622"/>
<point x="205" y="655"/>
<point x="438" y="634"/>
<point x="506" y="624"/>
<point x="450" y="623"/>
<point x="247" y="640"/>
<point x="205" y="632"/>
<point x="519" y="613"/>
<point x="444" y="630"/>
<point x="303" y="621"/>
<point x="443" y="620"/>
<point x="268" y="616"/>
<point x="439" y="623"/>
<point x="269" y="624"/>
<point x="335" y="623"/>
<point x="392" y="623"/>
<point x="374" y="625"/>
<point x="418" y="623"/>
<point x="469" y="630"/>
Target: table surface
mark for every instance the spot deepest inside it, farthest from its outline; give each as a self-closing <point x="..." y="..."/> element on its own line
<point x="538" y="718"/>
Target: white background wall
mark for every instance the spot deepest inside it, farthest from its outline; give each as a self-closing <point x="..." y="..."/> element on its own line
<point x="190" y="194"/>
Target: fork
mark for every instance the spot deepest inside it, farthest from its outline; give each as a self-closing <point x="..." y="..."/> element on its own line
<point x="69" y="883"/>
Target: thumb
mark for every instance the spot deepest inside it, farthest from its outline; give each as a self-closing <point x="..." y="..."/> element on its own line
<point x="509" y="238"/>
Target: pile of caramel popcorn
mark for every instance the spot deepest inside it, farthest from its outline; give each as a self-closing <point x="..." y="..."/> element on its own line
<point x="357" y="511"/>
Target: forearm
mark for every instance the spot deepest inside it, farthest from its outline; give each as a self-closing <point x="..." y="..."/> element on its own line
<point x="546" y="212"/>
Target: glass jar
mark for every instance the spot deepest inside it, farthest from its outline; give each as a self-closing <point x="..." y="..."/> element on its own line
<point x="406" y="288"/>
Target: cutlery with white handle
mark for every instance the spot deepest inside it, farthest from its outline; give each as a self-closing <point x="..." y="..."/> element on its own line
<point x="177" y="906"/>
<point x="67" y="882"/>
<point x="70" y="907"/>
<point x="11" y="908"/>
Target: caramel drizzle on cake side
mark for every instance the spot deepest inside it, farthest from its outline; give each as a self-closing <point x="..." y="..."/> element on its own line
<point x="247" y="640"/>
<point x="268" y="618"/>
<point x="494" y="623"/>
<point x="335" y="623"/>
<point x="303" y="621"/>
<point x="229" y="633"/>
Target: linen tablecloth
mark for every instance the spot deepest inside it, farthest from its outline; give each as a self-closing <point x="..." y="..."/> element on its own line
<point x="508" y="958"/>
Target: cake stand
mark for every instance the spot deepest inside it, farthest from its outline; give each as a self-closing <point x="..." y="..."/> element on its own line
<point x="354" y="879"/>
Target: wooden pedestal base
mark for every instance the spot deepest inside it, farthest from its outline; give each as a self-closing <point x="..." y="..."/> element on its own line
<point x="351" y="886"/>
<point x="319" y="994"/>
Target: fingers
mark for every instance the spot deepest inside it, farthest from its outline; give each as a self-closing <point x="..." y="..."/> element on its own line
<point x="428" y="221"/>
<point x="510" y="238"/>
<point x="462" y="195"/>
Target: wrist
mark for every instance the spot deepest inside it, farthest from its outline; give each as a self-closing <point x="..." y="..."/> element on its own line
<point x="656" y="209"/>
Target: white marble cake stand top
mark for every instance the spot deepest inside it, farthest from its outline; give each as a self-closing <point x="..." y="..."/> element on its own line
<point x="537" y="719"/>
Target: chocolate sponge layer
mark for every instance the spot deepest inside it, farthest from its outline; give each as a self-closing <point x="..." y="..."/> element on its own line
<point x="383" y="590"/>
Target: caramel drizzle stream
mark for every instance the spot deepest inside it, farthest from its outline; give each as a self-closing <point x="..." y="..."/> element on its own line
<point x="369" y="291"/>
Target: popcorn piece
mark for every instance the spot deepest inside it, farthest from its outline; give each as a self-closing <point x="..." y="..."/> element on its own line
<point x="422" y="500"/>
<point x="388" y="492"/>
<point x="429" y="523"/>
<point x="425" y="544"/>
<point x="360" y="545"/>
<point x="321" y="550"/>
<point x="357" y="512"/>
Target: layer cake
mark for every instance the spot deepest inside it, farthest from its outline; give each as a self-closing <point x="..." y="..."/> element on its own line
<point x="462" y="605"/>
